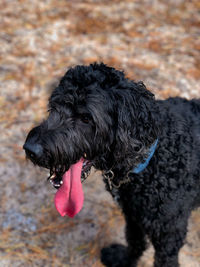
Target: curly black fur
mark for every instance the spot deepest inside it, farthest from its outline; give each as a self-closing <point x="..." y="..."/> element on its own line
<point x="97" y="111"/>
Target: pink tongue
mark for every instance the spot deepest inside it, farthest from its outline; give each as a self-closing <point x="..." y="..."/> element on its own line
<point x="69" y="197"/>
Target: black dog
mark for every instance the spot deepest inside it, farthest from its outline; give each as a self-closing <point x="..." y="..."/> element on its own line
<point x="148" y="150"/>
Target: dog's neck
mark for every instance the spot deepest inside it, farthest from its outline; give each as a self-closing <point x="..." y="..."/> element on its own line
<point x="110" y="175"/>
<point x="143" y="165"/>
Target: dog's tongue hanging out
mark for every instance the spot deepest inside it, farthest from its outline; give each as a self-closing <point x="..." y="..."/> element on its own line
<point x="69" y="197"/>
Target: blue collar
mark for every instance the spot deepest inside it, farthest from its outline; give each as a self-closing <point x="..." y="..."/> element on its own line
<point x="142" y="166"/>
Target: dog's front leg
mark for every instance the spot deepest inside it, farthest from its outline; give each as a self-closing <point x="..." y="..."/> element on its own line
<point x="126" y="256"/>
<point x="136" y="239"/>
<point x="168" y="243"/>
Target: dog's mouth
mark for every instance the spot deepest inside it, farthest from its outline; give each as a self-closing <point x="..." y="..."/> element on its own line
<point x="69" y="197"/>
<point x="56" y="174"/>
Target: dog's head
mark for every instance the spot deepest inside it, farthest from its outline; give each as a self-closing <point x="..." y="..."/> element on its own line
<point x="98" y="117"/>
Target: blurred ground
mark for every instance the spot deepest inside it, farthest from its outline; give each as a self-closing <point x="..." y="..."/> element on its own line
<point x="154" y="41"/>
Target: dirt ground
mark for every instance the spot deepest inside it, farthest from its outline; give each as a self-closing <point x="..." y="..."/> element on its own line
<point x="154" y="41"/>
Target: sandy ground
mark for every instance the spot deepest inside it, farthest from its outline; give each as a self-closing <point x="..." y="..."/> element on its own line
<point x="154" y="41"/>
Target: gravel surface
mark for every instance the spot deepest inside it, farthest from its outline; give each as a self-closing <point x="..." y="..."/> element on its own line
<point x="157" y="42"/>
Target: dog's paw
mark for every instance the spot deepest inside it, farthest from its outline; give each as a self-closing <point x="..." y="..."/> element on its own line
<point x="115" y="256"/>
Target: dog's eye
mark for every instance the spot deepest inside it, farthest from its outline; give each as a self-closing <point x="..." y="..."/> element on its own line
<point x="85" y="118"/>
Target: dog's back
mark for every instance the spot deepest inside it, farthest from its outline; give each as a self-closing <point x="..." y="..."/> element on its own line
<point x="187" y="112"/>
<point x="184" y="107"/>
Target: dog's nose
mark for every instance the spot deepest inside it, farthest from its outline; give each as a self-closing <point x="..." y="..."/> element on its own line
<point x="34" y="151"/>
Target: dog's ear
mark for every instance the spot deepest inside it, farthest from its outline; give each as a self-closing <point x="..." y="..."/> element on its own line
<point x="137" y="125"/>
